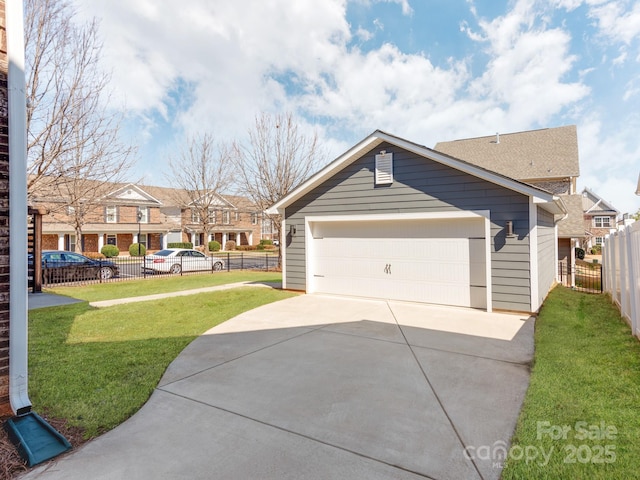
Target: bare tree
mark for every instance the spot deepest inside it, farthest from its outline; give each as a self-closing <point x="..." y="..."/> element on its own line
<point x="65" y="87"/>
<point x="277" y="158"/>
<point x="203" y="170"/>
<point x="73" y="148"/>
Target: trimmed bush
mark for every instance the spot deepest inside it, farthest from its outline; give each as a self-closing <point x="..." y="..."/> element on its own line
<point x="180" y="245"/>
<point x="94" y="255"/>
<point x="230" y="245"/>
<point x="134" y="248"/>
<point x="260" y="246"/>
<point x="580" y="253"/>
<point x="110" y="251"/>
<point x="214" y="246"/>
<point x="247" y="248"/>
<point x="266" y="242"/>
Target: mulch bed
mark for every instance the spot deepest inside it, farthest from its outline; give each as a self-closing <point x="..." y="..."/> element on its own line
<point x="11" y="464"/>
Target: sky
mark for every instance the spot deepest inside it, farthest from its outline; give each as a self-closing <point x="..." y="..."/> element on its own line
<point x="423" y="70"/>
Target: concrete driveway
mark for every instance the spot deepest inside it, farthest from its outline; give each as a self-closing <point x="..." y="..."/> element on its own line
<point x="321" y="387"/>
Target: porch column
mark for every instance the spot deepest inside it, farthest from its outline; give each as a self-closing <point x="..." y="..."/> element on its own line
<point x="250" y="237"/>
<point x="61" y="241"/>
<point x="100" y="241"/>
<point x="224" y="240"/>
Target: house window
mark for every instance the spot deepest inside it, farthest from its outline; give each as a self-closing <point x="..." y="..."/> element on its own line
<point x="212" y="216"/>
<point x="72" y="243"/>
<point x="226" y="217"/>
<point x="254" y="218"/>
<point x="602" y="222"/>
<point x="111" y="214"/>
<point x="600" y="241"/>
<point x="384" y="168"/>
<point x="71" y="210"/>
<point x="236" y="216"/>
<point x="267" y="227"/>
<point x="112" y="240"/>
<point x="195" y="216"/>
<point x="143" y="214"/>
<point x="142" y="240"/>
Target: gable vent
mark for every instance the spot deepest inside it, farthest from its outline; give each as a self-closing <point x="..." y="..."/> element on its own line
<point x="384" y="168"/>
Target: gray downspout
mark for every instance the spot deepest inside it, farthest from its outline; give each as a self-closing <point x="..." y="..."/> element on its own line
<point x="18" y="299"/>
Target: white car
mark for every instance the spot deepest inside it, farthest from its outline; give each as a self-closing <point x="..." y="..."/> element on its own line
<point x="177" y="260"/>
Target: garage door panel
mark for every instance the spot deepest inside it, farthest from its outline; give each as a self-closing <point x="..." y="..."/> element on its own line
<point x="426" y="261"/>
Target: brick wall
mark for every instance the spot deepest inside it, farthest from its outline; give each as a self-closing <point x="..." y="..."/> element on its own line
<point x="49" y="242"/>
<point x="5" y="407"/>
<point x="90" y="242"/>
<point x="123" y="241"/>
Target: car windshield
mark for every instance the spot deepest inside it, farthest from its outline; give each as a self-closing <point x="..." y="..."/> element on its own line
<point x="164" y="253"/>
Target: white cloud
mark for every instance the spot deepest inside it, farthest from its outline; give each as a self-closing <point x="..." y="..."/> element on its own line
<point x="235" y="59"/>
<point x="527" y="66"/>
<point x="609" y="162"/>
<point x="616" y="21"/>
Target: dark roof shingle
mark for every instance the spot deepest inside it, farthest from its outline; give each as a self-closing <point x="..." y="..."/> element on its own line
<point x="531" y="155"/>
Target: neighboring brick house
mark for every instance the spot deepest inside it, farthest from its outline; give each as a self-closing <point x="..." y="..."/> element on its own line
<point x="599" y="218"/>
<point x="546" y="158"/>
<point x="5" y="407"/>
<point x="152" y="216"/>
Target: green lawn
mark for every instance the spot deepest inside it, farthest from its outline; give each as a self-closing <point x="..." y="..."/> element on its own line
<point x="581" y="409"/>
<point x="96" y="367"/>
<point x="163" y="284"/>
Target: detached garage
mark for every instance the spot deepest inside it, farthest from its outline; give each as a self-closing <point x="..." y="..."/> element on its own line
<point x="393" y="220"/>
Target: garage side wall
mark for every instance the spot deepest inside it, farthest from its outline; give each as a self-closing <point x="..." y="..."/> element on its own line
<point x="546" y="253"/>
<point x="421" y="185"/>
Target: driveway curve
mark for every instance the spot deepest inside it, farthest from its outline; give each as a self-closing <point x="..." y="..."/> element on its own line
<point x="319" y="387"/>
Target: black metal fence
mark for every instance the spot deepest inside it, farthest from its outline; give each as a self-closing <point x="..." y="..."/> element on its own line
<point x="127" y="268"/>
<point x="584" y="276"/>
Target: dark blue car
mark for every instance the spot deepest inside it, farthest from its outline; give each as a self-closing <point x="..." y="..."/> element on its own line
<point x="63" y="266"/>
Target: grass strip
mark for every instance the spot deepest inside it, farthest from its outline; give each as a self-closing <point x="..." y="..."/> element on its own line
<point x="580" y="415"/>
<point x="161" y="284"/>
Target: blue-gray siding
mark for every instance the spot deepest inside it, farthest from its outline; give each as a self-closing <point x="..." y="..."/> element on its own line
<point x="546" y="253"/>
<point x="422" y="185"/>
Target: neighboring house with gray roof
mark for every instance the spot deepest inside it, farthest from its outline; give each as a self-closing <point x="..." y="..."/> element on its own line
<point x="599" y="218"/>
<point x="546" y="158"/>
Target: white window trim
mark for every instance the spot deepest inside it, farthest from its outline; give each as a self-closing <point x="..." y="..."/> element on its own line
<point x="602" y="218"/>
<point x="145" y="214"/>
<point x="111" y="214"/>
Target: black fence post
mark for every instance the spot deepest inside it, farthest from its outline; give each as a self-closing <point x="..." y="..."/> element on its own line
<point x="241" y="260"/>
<point x="266" y="258"/>
<point x="228" y="261"/>
<point x="601" y="286"/>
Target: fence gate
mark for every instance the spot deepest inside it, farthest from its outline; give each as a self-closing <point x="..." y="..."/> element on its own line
<point x="583" y="276"/>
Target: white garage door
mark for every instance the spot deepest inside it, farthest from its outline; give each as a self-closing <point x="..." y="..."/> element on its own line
<point x="439" y="261"/>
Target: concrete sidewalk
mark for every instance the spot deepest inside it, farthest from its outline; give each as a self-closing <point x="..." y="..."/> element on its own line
<point x="43" y="300"/>
<point x="158" y="296"/>
<point x="318" y="387"/>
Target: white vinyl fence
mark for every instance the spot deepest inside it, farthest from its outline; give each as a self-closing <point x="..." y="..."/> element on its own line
<point x="621" y="264"/>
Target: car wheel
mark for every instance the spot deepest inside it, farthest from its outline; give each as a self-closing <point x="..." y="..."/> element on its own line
<point x="217" y="266"/>
<point x="105" y="273"/>
<point x="175" y="268"/>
